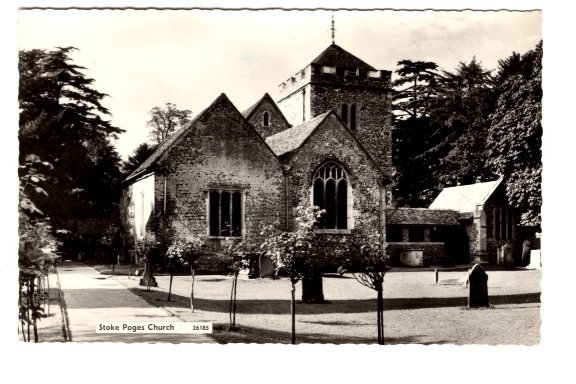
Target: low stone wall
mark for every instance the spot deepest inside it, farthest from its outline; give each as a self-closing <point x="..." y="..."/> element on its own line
<point x="432" y="252"/>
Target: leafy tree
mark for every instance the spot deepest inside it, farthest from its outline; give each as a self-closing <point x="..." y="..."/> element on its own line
<point x="367" y="260"/>
<point x="38" y="249"/>
<point x="164" y="121"/>
<point x="515" y="64"/>
<point x="188" y="252"/>
<point x="140" y="154"/>
<point x="414" y="98"/>
<point x="414" y="88"/>
<point x="515" y="134"/>
<point x="67" y="164"/>
<point x="464" y="103"/>
<point x="293" y="252"/>
<point x="237" y="258"/>
<point x="62" y="123"/>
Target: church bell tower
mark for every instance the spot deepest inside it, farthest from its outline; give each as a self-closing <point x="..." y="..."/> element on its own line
<point x="356" y="91"/>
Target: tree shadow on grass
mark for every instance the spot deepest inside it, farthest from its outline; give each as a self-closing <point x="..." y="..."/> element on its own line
<point x="254" y="335"/>
<point x="334" y="306"/>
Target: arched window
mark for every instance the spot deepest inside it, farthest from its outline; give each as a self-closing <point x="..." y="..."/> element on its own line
<point x="266" y="119"/>
<point x="344" y="114"/>
<point x="353" y="117"/>
<point x="330" y="192"/>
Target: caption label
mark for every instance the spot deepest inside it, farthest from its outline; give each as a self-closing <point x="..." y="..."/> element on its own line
<point x="154" y="327"/>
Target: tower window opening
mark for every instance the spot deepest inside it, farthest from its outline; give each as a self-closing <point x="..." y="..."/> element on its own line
<point x="344" y="114"/>
<point x="266" y="119"/>
<point x="353" y="117"/>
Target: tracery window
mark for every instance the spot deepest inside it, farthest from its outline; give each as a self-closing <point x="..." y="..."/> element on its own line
<point x="330" y="192"/>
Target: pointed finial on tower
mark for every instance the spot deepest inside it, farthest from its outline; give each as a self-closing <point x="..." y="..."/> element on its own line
<point x="333" y="28"/>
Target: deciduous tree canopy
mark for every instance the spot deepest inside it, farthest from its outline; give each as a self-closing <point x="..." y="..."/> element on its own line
<point x="515" y="133"/>
<point x="468" y="125"/>
<point x="165" y="121"/>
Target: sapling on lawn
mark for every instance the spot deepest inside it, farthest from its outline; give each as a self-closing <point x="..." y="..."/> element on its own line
<point x="367" y="260"/>
<point x="237" y="258"/>
<point x="187" y="252"/>
<point x="293" y="252"/>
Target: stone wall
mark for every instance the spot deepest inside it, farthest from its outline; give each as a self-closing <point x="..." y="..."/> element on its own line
<point x="296" y="106"/>
<point x="221" y="151"/>
<point x="332" y="142"/>
<point x="277" y="122"/>
<point x="373" y="111"/>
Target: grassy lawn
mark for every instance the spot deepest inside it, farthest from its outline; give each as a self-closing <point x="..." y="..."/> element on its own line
<point x="416" y="309"/>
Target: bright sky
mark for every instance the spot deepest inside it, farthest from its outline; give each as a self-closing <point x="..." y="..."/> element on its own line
<point x="144" y="59"/>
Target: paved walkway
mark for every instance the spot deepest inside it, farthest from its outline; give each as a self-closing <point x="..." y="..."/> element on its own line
<point x="91" y="298"/>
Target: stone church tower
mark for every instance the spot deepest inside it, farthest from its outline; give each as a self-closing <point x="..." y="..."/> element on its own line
<point x="356" y="91"/>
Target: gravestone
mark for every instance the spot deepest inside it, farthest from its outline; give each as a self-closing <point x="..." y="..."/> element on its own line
<point x="266" y="267"/>
<point x="478" y="287"/>
<point x="526" y="245"/>
<point x="508" y="255"/>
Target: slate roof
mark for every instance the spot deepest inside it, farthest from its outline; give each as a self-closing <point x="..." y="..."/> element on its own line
<point x="292" y="138"/>
<point x="465" y="198"/>
<point x="334" y="55"/>
<point x="421" y="216"/>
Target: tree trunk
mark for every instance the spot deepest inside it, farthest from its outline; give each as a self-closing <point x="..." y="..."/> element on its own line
<point x="48" y="291"/>
<point x="170" y="284"/>
<point x="312" y="289"/>
<point x="232" y="307"/>
<point x="20" y="303"/>
<point x="28" y="299"/>
<point x="192" y="288"/>
<point x="380" y="311"/>
<point x="293" y="313"/>
<point x="32" y="316"/>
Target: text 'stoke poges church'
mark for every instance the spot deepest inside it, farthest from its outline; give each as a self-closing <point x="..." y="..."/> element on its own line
<point x="326" y="141"/>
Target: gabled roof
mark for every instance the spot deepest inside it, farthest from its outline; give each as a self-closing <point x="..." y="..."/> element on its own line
<point x="334" y="55"/>
<point x="170" y="141"/>
<point x="421" y="216"/>
<point x="291" y="139"/>
<point x="161" y="148"/>
<point x="465" y="198"/>
<point x="248" y="113"/>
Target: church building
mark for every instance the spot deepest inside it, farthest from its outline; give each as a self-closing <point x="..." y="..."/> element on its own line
<point x="325" y="141"/>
